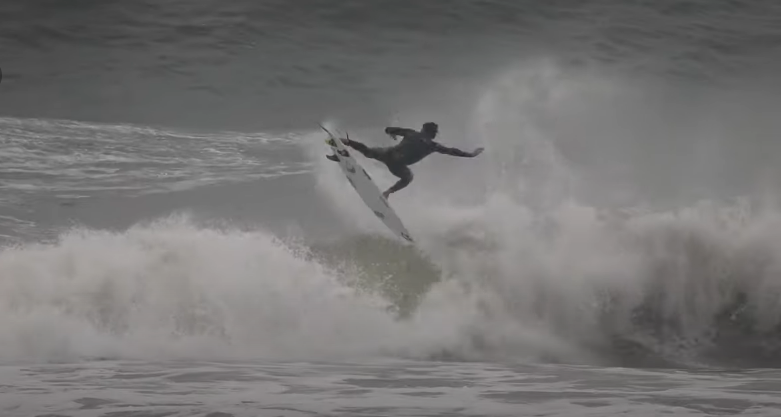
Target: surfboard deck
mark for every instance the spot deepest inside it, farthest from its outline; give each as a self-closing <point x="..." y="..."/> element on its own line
<point x="366" y="188"/>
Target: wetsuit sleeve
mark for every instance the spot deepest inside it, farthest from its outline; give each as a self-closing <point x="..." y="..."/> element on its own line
<point x="398" y="131"/>
<point x="451" y="151"/>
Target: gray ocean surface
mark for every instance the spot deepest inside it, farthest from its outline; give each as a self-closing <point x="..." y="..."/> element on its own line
<point x="174" y="242"/>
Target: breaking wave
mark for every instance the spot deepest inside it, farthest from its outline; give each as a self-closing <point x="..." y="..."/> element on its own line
<point x="534" y="265"/>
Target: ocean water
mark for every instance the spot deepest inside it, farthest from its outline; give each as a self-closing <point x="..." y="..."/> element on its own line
<point x="174" y="242"/>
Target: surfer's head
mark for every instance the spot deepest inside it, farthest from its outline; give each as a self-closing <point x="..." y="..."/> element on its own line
<point x="430" y="129"/>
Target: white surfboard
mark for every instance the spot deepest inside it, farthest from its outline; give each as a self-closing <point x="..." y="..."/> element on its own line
<point x="366" y="188"/>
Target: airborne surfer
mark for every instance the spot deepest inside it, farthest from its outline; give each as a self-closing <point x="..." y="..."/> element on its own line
<point x="413" y="147"/>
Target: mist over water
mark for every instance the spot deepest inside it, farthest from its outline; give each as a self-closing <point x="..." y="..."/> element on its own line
<point x="564" y="259"/>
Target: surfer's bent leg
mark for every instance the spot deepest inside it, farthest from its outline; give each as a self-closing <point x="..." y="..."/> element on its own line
<point x="405" y="177"/>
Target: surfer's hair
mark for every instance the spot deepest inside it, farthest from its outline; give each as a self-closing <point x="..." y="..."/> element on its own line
<point x="430" y="127"/>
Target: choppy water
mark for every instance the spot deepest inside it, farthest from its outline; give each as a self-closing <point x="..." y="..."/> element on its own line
<point x="381" y="389"/>
<point x="175" y="243"/>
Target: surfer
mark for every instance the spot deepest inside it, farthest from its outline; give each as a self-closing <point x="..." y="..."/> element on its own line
<point x="413" y="147"/>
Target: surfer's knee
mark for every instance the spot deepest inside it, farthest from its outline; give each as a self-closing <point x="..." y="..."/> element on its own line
<point x="405" y="177"/>
<point x="408" y="176"/>
<point x="401" y="171"/>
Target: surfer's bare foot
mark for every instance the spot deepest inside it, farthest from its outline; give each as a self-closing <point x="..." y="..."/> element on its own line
<point x="386" y="194"/>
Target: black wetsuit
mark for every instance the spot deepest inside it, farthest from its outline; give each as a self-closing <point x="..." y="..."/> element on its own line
<point x="413" y="147"/>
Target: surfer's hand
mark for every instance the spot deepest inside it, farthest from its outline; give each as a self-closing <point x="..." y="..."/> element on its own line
<point x="477" y="151"/>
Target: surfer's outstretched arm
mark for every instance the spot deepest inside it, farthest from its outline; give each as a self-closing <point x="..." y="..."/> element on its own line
<point x="456" y="152"/>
